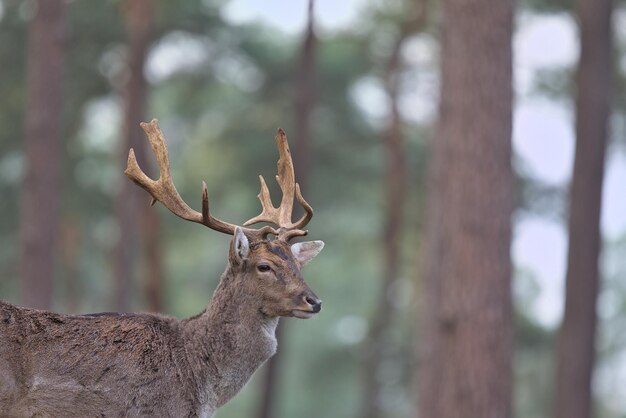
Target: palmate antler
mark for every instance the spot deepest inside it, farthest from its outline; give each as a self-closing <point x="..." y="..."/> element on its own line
<point x="164" y="191"/>
<point x="281" y="216"/>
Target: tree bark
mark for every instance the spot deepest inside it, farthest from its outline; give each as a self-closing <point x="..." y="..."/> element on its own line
<point x="304" y="103"/>
<point x="43" y="148"/>
<point x="135" y="219"/>
<point x="576" y="343"/>
<point x="466" y="310"/>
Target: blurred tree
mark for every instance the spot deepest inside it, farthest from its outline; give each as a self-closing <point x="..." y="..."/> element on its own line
<point x="140" y="29"/>
<point x="304" y="90"/>
<point x="13" y="34"/>
<point x="395" y="192"/>
<point x="576" y="343"/>
<point x="132" y="218"/>
<point x="70" y="241"/>
<point x="466" y="312"/>
<point x="304" y="102"/>
<point x="43" y="143"/>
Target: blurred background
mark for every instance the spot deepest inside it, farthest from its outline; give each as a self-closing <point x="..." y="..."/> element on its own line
<point x="356" y="85"/>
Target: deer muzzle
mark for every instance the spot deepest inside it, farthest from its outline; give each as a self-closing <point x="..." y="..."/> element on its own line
<point x="310" y="306"/>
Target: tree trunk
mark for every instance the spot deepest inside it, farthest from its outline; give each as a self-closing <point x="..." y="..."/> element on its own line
<point x="70" y="245"/>
<point x="466" y="312"/>
<point x="576" y="344"/>
<point x="153" y="275"/>
<point x="133" y="218"/>
<point x="43" y="148"/>
<point x="304" y="102"/>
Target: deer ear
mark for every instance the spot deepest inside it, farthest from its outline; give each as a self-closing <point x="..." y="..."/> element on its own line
<point x="306" y="251"/>
<point x="241" y="245"/>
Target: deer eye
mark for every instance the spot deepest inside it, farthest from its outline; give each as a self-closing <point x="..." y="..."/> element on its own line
<point x="263" y="268"/>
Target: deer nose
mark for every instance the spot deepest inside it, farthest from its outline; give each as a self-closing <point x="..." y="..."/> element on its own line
<point x="314" y="303"/>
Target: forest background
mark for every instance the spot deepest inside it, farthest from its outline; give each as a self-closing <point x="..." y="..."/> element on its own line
<point x="356" y="85"/>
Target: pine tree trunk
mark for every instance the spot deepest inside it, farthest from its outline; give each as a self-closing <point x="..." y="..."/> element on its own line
<point x="44" y="149"/>
<point x="576" y="344"/>
<point x="466" y="312"/>
<point x="135" y="218"/>
<point x="304" y="102"/>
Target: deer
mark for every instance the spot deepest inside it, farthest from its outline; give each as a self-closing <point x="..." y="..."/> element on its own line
<point x="148" y="364"/>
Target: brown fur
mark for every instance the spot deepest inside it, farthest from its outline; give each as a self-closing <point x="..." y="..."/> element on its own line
<point x="126" y="365"/>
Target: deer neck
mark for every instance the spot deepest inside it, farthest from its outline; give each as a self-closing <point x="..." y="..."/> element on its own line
<point x="233" y="338"/>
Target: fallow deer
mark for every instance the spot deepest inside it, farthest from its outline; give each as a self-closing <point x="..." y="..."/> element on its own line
<point x="140" y="364"/>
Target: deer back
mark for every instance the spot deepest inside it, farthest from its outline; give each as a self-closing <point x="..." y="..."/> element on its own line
<point x="74" y="365"/>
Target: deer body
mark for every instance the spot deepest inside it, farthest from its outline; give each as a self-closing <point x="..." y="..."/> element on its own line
<point x="109" y="365"/>
<point x="128" y="364"/>
<point x="131" y="365"/>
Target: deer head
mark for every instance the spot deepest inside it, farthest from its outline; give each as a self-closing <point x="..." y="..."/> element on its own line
<point x="267" y="268"/>
<point x="271" y="272"/>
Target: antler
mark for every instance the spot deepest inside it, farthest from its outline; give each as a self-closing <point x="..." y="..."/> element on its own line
<point x="281" y="216"/>
<point x="164" y="191"/>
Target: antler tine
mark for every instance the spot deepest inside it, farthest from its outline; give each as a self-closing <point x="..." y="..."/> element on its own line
<point x="163" y="189"/>
<point x="269" y="212"/>
<point x="285" y="178"/>
<point x="308" y="210"/>
<point x="286" y="235"/>
<point x="209" y="220"/>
